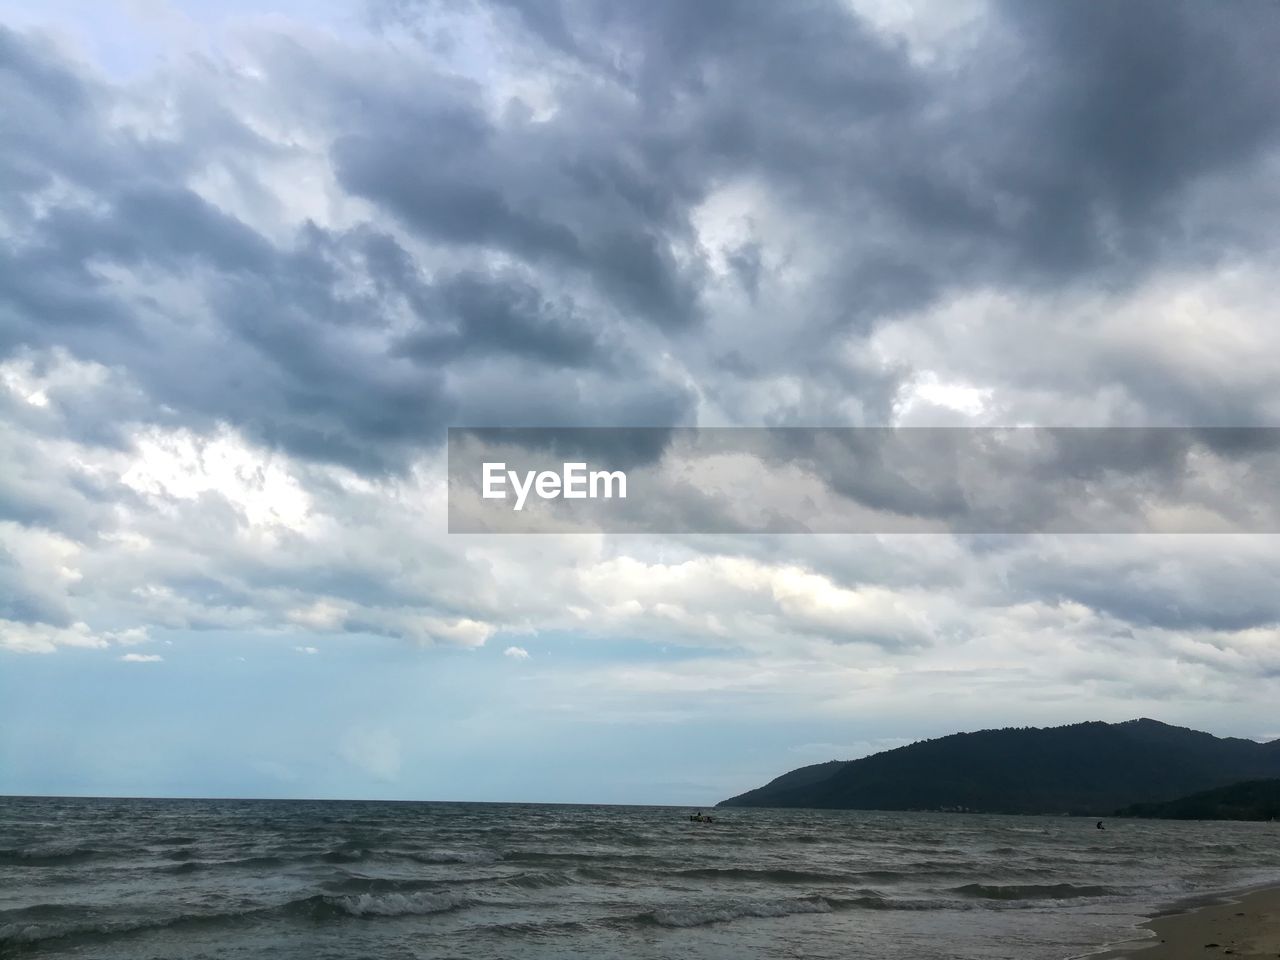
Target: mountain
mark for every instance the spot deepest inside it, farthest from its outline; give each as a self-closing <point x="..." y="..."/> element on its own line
<point x="1087" y="768"/>
<point x="1251" y="800"/>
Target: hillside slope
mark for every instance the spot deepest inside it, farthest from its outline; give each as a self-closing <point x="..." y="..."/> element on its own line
<point x="1089" y="768"/>
<point x="1251" y="800"/>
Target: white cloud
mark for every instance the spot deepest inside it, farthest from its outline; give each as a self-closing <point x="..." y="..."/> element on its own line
<point x="142" y="658"/>
<point x="738" y="600"/>
<point x="307" y="650"/>
<point x="1180" y="347"/>
<point x="202" y="509"/>
<point x="183" y="465"/>
<point x="516" y="653"/>
<point x="42" y="638"/>
<point x="60" y="376"/>
<point x="320" y="615"/>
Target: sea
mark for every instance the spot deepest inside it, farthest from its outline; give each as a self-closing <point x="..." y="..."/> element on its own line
<point x="314" y="880"/>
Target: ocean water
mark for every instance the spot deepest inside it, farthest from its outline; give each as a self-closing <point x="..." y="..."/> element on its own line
<point x="106" y="879"/>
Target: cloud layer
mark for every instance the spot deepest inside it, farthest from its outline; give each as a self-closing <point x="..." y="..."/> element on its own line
<point x="243" y="292"/>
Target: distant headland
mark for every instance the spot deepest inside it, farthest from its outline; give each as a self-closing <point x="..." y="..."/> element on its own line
<point x="1092" y="769"/>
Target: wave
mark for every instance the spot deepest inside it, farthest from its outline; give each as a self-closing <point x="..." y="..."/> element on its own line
<point x="344" y="855"/>
<point x="535" y="928"/>
<point x="599" y="875"/>
<point x="705" y="914"/>
<point x="48" y="923"/>
<point x="915" y="872"/>
<point x="374" y="885"/>
<point x="611" y="859"/>
<point x="763" y="874"/>
<point x="1031" y="891"/>
<point x="874" y="900"/>
<point x="47" y="855"/>
<point x="71" y="924"/>
<point x="350" y="885"/>
<point x="250" y="863"/>
<point x="538" y="881"/>
<point x="350" y="853"/>
<point x="455" y="856"/>
<point x="40" y="912"/>
<point x="363" y="905"/>
<point x="245" y="863"/>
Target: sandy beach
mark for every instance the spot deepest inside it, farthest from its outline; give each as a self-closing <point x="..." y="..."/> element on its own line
<point x="1246" y="928"/>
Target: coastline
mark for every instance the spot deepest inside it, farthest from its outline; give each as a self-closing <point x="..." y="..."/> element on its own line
<point x="1243" y="926"/>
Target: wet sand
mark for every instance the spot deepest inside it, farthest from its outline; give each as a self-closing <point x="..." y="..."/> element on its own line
<point x="1246" y="929"/>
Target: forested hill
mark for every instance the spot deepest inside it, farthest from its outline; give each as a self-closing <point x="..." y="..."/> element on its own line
<point x="1251" y="800"/>
<point x="1087" y="768"/>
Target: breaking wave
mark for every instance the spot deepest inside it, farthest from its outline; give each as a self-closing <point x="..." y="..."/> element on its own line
<point x="422" y="903"/>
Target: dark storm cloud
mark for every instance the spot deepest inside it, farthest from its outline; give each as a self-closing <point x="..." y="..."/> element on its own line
<point x="515" y="192"/>
<point x="681" y="97"/>
<point x="160" y="226"/>
<point x="282" y="360"/>
<point x="494" y="314"/>
<point x="442" y="203"/>
<point x="283" y="342"/>
<point x="1072" y="147"/>
<point x="1151" y="92"/>
<point x="1179" y="584"/>
<point x="814" y="55"/>
<point x="1183" y="593"/>
<point x="1063" y="146"/>
<point x="48" y="106"/>
<point x="1066" y="146"/>
<point x="1107" y="116"/>
<point x="653" y="214"/>
<point x="1048" y="478"/>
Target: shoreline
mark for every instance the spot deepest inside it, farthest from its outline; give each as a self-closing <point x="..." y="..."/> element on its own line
<point x="1243" y="925"/>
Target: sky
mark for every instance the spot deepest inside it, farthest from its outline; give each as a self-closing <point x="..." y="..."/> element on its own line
<point x="256" y="258"/>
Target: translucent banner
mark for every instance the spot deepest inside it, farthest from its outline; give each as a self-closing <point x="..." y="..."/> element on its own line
<point x="864" y="480"/>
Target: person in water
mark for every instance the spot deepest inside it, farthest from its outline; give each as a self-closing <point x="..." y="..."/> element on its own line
<point x="1100" y="826"/>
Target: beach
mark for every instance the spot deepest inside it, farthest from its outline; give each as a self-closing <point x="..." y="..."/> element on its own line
<point x="1246" y="927"/>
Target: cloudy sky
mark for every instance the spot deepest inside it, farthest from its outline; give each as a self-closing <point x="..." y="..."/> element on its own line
<point x="255" y="258"/>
